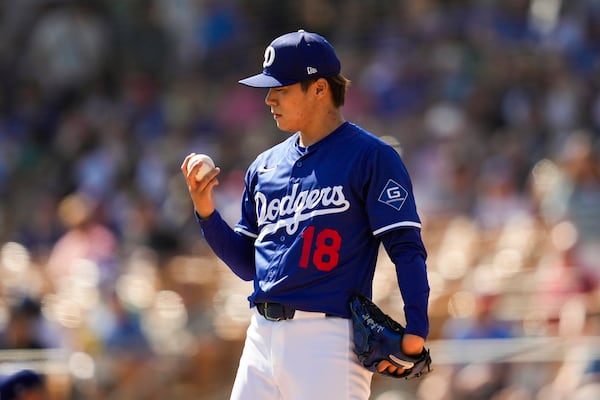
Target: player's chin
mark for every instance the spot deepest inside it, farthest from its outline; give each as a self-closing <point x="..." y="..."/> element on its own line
<point x="284" y="127"/>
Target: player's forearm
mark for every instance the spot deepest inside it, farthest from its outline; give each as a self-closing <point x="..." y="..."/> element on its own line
<point x="406" y="250"/>
<point x="234" y="249"/>
<point x="417" y="322"/>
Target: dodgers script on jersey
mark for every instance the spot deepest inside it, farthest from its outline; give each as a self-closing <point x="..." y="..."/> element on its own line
<point x="316" y="232"/>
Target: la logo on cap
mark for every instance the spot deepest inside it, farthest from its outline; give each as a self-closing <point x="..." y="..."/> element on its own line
<point x="295" y="57"/>
<point x="269" y="56"/>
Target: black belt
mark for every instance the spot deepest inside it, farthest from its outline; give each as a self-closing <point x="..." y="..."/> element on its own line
<point x="280" y="312"/>
<point x="275" y="311"/>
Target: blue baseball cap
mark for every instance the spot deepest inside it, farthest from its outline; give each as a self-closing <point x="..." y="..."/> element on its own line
<point x="295" y="57"/>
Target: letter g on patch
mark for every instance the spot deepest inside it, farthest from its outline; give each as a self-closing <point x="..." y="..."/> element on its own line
<point x="393" y="194"/>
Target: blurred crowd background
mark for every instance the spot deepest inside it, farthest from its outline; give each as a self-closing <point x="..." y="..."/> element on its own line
<point x="106" y="284"/>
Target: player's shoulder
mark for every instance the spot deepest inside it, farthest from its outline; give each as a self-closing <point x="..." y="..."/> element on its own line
<point x="366" y="141"/>
<point x="364" y="136"/>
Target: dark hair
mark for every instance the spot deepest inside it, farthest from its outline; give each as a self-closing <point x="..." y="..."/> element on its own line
<point x="338" y="85"/>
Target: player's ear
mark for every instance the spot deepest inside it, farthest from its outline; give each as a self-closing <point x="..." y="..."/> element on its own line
<point x="320" y="86"/>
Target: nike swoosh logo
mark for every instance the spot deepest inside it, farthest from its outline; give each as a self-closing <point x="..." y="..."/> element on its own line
<point x="404" y="364"/>
<point x="264" y="169"/>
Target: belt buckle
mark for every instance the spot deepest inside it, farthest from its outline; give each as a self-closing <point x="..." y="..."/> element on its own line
<point x="274" y="318"/>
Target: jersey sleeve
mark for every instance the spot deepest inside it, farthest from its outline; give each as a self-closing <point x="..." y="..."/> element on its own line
<point x="248" y="223"/>
<point x="235" y="249"/>
<point x="393" y="216"/>
<point x="407" y="252"/>
<point x="390" y="201"/>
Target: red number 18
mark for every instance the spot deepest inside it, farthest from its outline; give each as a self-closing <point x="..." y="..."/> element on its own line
<point x="326" y="244"/>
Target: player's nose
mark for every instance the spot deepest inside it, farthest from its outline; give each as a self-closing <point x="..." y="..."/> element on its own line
<point x="269" y="99"/>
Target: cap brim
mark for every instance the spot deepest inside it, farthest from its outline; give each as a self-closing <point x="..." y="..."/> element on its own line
<point x="265" y="81"/>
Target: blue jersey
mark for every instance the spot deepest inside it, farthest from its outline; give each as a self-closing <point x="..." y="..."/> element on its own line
<point x="316" y="216"/>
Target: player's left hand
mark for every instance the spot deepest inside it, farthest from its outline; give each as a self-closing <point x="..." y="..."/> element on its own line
<point x="411" y="345"/>
<point x="381" y="344"/>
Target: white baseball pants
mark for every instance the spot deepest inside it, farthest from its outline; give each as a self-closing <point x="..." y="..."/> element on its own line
<point x="309" y="357"/>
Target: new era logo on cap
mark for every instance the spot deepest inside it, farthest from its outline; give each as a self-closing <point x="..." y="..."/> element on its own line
<point x="295" y="57"/>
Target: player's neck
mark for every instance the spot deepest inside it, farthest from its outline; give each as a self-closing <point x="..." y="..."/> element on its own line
<point x="321" y="129"/>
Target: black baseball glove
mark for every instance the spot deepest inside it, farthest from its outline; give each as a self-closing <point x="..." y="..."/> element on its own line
<point x="378" y="337"/>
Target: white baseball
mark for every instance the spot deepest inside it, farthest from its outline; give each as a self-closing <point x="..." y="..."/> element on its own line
<point x="207" y="165"/>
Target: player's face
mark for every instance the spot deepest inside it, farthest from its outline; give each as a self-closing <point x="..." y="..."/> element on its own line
<point x="291" y="107"/>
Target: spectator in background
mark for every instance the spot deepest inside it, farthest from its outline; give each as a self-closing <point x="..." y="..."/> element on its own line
<point x="68" y="48"/>
<point x="491" y="377"/>
<point x="24" y="329"/>
<point x="124" y="334"/>
<point x="86" y="238"/>
<point x="498" y="198"/>
<point x="483" y="324"/>
<point x="23" y="385"/>
<point x="143" y="44"/>
<point x="446" y="163"/>
<point x="591" y="373"/>
<point x="562" y="276"/>
<point x="575" y="194"/>
<point x="41" y="232"/>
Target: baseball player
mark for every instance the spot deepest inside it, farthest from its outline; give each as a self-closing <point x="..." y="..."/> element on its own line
<point x="315" y="210"/>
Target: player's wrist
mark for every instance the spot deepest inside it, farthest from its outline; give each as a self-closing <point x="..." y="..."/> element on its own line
<point x="203" y="216"/>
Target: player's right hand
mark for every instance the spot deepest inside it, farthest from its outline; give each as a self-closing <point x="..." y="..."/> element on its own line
<point x="200" y="190"/>
<point x="384" y="365"/>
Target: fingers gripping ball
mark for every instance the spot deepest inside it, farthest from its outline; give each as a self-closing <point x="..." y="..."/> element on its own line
<point x="207" y="165"/>
<point x="378" y="337"/>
